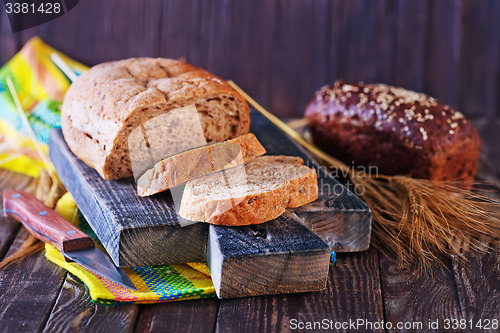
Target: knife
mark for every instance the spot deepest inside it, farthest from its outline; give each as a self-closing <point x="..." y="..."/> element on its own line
<point x="49" y="227"/>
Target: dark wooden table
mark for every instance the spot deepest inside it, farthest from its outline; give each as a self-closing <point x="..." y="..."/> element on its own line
<point x="36" y="295"/>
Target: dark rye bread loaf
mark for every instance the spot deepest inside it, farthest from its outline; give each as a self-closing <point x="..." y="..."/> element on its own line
<point x="397" y="130"/>
<point x="109" y="101"/>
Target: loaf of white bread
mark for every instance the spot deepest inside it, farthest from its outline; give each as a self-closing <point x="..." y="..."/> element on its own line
<point x="109" y="101"/>
<point x="227" y="182"/>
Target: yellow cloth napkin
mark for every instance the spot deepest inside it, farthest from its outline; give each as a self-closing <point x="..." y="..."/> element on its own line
<point x="154" y="283"/>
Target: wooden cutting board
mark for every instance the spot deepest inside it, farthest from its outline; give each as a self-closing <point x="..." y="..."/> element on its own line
<point x="139" y="231"/>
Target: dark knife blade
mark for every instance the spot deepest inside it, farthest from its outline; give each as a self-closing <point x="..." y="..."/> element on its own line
<point x="95" y="260"/>
<point x="48" y="226"/>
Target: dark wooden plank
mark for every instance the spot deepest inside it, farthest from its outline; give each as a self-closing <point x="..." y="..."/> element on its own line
<point x="361" y="38"/>
<point x="411" y="44"/>
<point x="353" y="291"/>
<point x="478" y="287"/>
<point x="344" y="230"/>
<point x="10" y="227"/>
<point x="443" y="51"/>
<point x="298" y="73"/>
<point x="216" y="18"/>
<point x="410" y="298"/>
<point x="488" y="130"/>
<point x="135" y="231"/>
<point x="199" y="27"/>
<point x="75" y="312"/>
<point x="384" y="55"/>
<point x="257" y="314"/>
<point x="251" y="46"/>
<point x="177" y="30"/>
<point x="478" y="283"/>
<point x="277" y="257"/>
<point x="29" y="289"/>
<point x="9" y="42"/>
<point x="184" y="316"/>
<point x="479" y="57"/>
<point x="8" y="231"/>
<point x="336" y="19"/>
<point x="117" y="29"/>
<point x="357" y="22"/>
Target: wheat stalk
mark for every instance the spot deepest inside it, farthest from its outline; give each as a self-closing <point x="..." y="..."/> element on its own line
<point x="419" y="220"/>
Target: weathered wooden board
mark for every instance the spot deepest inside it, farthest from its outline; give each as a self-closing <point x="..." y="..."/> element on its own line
<point x="339" y="217"/>
<point x="74" y="311"/>
<point x="10" y="227"/>
<point x="436" y="294"/>
<point x="135" y="231"/>
<point x="191" y="316"/>
<point x="146" y="231"/>
<point x="353" y="291"/>
<point x="342" y="221"/>
<point x="28" y="290"/>
<point x="276" y="257"/>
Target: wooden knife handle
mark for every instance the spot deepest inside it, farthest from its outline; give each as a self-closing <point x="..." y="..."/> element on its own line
<point x="44" y="223"/>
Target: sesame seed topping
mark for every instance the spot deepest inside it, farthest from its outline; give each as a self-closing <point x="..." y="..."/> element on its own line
<point x="382" y="105"/>
<point x="424" y="133"/>
<point x="347" y="87"/>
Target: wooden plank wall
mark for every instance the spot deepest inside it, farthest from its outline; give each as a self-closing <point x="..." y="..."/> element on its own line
<point x="281" y="51"/>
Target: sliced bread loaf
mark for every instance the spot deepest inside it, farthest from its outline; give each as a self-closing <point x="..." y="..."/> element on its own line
<point x="191" y="164"/>
<point x="255" y="192"/>
<point x="109" y="101"/>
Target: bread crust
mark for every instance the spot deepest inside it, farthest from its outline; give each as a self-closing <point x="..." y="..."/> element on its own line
<point x="108" y="101"/>
<point x="195" y="163"/>
<point x="397" y="130"/>
<point x="254" y="208"/>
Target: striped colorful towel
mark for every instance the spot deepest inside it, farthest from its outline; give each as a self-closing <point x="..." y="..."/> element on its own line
<point x="154" y="283"/>
<point x="40" y="86"/>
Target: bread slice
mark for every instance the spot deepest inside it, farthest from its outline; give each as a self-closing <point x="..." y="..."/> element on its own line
<point x="111" y="100"/>
<point x="256" y="192"/>
<point x="180" y="168"/>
